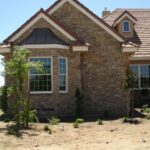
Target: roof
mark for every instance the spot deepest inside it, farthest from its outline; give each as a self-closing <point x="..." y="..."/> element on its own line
<point x="88" y="13"/>
<point x="142" y="27"/>
<point x="65" y="30"/>
<point x="42" y="36"/>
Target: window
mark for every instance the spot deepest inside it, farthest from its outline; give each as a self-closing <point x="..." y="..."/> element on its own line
<point x="41" y="82"/>
<point x="142" y="74"/>
<point x="134" y="69"/>
<point x="63" y="74"/>
<point x="145" y="76"/>
<point x="126" y="26"/>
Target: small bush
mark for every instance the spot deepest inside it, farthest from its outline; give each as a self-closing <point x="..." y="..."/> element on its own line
<point x="76" y="125"/>
<point x="79" y="120"/>
<point x="46" y="128"/>
<point x="99" y="122"/>
<point x="54" y="121"/>
<point x="125" y="119"/>
<point x="78" y="103"/>
<point x="33" y="116"/>
<point x="4" y="98"/>
<point x="145" y="109"/>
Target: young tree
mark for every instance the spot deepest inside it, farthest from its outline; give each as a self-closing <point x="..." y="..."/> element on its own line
<point x="129" y="85"/>
<point x="79" y="103"/>
<point x="17" y="69"/>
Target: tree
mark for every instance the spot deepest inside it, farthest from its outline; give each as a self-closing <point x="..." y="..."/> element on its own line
<point x="17" y="69"/>
<point x="129" y="85"/>
<point x="79" y="103"/>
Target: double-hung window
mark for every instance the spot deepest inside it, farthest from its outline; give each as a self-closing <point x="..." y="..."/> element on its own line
<point x="41" y="82"/>
<point x="145" y="76"/>
<point x="63" y="74"/>
<point x="142" y="75"/>
<point x="126" y="26"/>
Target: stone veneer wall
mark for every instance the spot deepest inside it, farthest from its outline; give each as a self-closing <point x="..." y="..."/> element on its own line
<point x="99" y="73"/>
<point x="56" y="104"/>
<point x="103" y="68"/>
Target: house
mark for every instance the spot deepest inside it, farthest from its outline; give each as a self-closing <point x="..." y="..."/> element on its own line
<point x="82" y="50"/>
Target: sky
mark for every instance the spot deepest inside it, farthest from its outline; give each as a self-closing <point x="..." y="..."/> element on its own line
<point x="13" y="13"/>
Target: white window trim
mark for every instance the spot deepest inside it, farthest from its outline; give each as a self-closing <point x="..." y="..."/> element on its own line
<point x="139" y="75"/>
<point x="55" y="46"/>
<point x="41" y="92"/>
<point x="63" y="92"/>
<point x="129" y="26"/>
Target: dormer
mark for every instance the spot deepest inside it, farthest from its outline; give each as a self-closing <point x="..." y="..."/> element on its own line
<point x="124" y="24"/>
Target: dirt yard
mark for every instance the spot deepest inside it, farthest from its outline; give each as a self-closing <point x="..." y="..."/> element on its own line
<point x="113" y="135"/>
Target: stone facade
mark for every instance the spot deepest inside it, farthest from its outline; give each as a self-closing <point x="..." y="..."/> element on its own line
<point x="99" y="73"/>
<point x="103" y="68"/>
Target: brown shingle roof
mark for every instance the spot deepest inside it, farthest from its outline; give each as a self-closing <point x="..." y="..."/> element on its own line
<point x="142" y="27"/>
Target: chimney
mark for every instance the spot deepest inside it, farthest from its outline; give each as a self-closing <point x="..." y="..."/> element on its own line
<point x="105" y="12"/>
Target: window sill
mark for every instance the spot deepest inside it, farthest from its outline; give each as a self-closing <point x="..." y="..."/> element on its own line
<point x="63" y="92"/>
<point x="126" y="31"/>
<point x="41" y="93"/>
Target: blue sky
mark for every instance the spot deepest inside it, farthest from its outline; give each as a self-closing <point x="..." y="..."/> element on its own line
<point x="13" y="13"/>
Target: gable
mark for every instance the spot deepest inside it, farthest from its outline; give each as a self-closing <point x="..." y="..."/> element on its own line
<point x="42" y="36"/>
<point x="125" y="15"/>
<point x="87" y="13"/>
<point x="33" y="20"/>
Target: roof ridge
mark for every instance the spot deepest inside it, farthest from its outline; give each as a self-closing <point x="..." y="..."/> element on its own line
<point x="132" y="9"/>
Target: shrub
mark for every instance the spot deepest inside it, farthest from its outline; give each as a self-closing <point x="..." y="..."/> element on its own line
<point x="125" y="119"/>
<point x="145" y="109"/>
<point x="76" y="124"/>
<point x="79" y="103"/>
<point x="4" y="98"/>
<point x="79" y="120"/>
<point x="46" y="128"/>
<point x="99" y="122"/>
<point x="32" y="116"/>
<point x="54" y="121"/>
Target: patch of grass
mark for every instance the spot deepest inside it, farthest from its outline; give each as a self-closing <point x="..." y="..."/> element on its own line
<point x="76" y="125"/>
<point x="79" y="120"/>
<point x="54" y="121"/>
<point x="99" y="122"/>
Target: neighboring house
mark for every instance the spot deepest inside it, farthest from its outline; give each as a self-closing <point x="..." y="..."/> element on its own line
<point x="81" y="50"/>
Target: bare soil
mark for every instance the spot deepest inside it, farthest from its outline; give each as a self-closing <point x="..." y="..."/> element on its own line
<point x="113" y="135"/>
